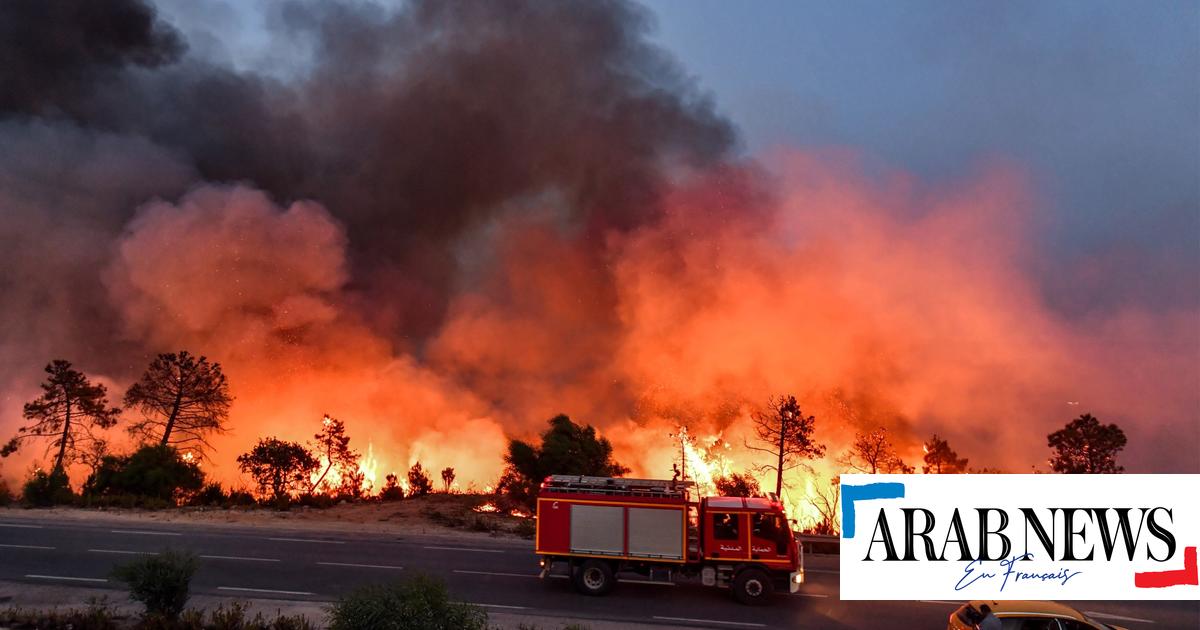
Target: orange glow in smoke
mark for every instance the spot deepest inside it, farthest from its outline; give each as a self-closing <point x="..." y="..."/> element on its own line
<point x="877" y="301"/>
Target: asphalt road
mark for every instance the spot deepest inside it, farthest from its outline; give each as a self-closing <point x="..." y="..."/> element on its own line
<point x="499" y="574"/>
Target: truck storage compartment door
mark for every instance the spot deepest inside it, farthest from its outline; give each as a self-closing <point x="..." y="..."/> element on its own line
<point x="656" y="533"/>
<point x="597" y="529"/>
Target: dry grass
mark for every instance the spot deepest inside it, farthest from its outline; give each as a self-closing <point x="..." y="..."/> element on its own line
<point x="436" y="514"/>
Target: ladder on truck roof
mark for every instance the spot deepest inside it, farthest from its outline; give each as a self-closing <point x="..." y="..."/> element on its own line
<point x="619" y="486"/>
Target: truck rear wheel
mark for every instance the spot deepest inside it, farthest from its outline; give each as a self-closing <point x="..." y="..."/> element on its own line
<point x="752" y="587"/>
<point x="594" y="577"/>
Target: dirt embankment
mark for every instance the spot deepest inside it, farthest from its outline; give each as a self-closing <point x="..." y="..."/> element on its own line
<point x="454" y="515"/>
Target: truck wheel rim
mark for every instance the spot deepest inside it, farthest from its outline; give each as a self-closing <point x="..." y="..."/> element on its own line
<point x="754" y="588"/>
<point x="593" y="578"/>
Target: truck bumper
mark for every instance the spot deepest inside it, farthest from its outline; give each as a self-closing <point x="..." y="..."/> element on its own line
<point x="795" y="579"/>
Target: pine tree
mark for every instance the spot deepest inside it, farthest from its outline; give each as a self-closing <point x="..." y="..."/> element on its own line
<point x="69" y="412"/>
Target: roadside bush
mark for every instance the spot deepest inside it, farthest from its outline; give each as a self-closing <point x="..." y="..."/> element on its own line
<point x="45" y="489"/>
<point x="160" y="582"/>
<point x="417" y="603"/>
<point x="157" y="471"/>
<point x="419" y="483"/>
<point x="392" y="491"/>
<point x="321" y="501"/>
<point x="211" y="495"/>
<point x="240" y="498"/>
<point x="97" y="616"/>
<point x="124" y="501"/>
<point x="526" y="528"/>
<point x="6" y="495"/>
<point x="233" y="617"/>
<point x="482" y="524"/>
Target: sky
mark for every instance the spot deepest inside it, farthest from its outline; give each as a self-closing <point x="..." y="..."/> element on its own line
<point x="1098" y="101"/>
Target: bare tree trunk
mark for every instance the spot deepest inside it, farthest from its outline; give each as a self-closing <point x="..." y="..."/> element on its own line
<point x="328" y="458"/>
<point x="62" y="442"/>
<point x="174" y="414"/>
<point x="782" y="444"/>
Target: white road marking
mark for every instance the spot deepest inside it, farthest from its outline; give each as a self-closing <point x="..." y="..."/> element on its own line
<point x="63" y="577"/>
<point x="126" y="552"/>
<point x="26" y="547"/>
<point x="637" y="581"/>
<point x="240" y="558"/>
<point x="261" y="590"/>
<point x="144" y="532"/>
<point x="467" y="549"/>
<point x="20" y="526"/>
<point x="520" y="575"/>
<point x="500" y="606"/>
<point x="362" y="566"/>
<point x="743" y="624"/>
<point x="1100" y="615"/>
<point x="812" y="595"/>
<point x="310" y="540"/>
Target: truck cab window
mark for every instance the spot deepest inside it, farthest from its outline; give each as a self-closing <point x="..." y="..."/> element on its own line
<point x="768" y="527"/>
<point x="725" y="526"/>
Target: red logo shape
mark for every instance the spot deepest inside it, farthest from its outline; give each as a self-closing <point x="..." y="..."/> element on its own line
<point x="1162" y="579"/>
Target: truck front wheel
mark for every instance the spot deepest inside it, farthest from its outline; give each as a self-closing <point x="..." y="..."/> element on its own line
<point x="594" y="577"/>
<point x="752" y="587"/>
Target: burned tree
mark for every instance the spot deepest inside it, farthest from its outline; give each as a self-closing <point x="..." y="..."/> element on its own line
<point x="447" y="478"/>
<point x="68" y="412"/>
<point x="737" y="485"/>
<point x="332" y="446"/>
<point x="874" y="453"/>
<point x="182" y="399"/>
<point x="279" y="468"/>
<point x="941" y="459"/>
<point x="419" y="483"/>
<point x="827" y="500"/>
<point x="1086" y="446"/>
<point x="786" y="434"/>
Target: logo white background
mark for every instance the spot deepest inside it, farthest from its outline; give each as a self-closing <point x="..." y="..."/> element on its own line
<point x="1098" y="579"/>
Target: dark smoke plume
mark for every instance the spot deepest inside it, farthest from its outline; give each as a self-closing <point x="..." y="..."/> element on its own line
<point x="411" y="128"/>
<point x="55" y="53"/>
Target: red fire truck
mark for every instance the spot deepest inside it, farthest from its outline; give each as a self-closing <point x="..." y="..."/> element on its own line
<point x="594" y="528"/>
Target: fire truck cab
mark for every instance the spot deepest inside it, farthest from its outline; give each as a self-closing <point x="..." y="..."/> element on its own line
<point x="592" y="529"/>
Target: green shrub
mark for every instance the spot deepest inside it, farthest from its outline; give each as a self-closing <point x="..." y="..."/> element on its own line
<point x="45" y="489"/>
<point x="160" y="582"/>
<point x="418" y="603"/>
<point x="157" y="471"/>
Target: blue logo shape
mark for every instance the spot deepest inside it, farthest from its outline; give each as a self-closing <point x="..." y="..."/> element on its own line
<point x="850" y="494"/>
